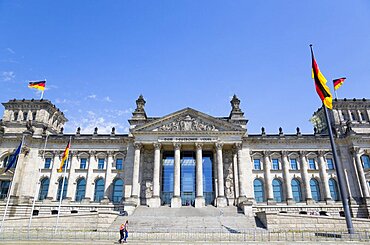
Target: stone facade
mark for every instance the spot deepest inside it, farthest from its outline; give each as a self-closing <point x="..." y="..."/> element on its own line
<point x="257" y="172"/>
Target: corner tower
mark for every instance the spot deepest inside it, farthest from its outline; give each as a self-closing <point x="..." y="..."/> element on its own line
<point x="37" y="116"/>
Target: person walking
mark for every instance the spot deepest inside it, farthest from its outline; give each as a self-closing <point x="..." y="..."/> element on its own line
<point x="126" y="231"/>
<point x="121" y="232"/>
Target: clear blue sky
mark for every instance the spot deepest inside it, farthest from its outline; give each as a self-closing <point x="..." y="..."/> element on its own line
<point x="99" y="56"/>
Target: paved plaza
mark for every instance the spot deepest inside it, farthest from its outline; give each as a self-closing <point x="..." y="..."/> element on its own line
<point x="170" y="242"/>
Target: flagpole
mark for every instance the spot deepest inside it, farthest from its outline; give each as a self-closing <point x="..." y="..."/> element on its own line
<point x="42" y="93"/>
<point x="10" y="189"/>
<point x="62" y="189"/>
<point x="340" y="176"/>
<point x="37" y="185"/>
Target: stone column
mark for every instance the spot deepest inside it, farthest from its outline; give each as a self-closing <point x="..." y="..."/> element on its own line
<point x="235" y="174"/>
<point x="176" y="199"/>
<point x="71" y="189"/>
<point x="361" y="174"/>
<point x="267" y="175"/>
<point x="199" y="200"/>
<point x="136" y="171"/>
<point x="221" y="200"/>
<point x="324" y="177"/>
<point x="214" y="168"/>
<point x="89" y="193"/>
<point x="305" y="178"/>
<point x="287" y="180"/>
<point x="349" y="115"/>
<point x="108" y="178"/>
<point x="156" y="200"/>
<point x="242" y="178"/>
<point x="53" y="185"/>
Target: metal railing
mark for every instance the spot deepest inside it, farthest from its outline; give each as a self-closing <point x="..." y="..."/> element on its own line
<point x="64" y="233"/>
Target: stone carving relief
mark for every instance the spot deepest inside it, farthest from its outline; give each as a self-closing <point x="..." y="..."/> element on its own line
<point x="147" y="174"/>
<point x="187" y="123"/>
<point x="228" y="173"/>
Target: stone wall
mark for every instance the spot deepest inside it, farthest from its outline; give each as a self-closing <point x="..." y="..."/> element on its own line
<point x="92" y="221"/>
<point x="301" y="222"/>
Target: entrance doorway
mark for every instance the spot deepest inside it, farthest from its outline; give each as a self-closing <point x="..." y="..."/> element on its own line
<point x="187" y="179"/>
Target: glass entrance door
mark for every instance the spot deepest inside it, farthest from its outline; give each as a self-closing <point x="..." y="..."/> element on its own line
<point x="188" y="179"/>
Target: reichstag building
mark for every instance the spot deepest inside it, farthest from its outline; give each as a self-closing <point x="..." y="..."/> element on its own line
<point x="186" y="158"/>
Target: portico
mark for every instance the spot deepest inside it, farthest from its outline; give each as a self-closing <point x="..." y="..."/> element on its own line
<point x="186" y="155"/>
<point x="187" y="171"/>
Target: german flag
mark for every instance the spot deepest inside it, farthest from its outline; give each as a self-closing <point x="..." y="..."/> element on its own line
<point x="40" y="85"/>
<point x="338" y="82"/>
<point x="64" y="158"/>
<point x="320" y="83"/>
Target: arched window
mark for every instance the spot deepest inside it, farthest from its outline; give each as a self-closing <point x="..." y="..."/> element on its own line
<point x="117" y="191"/>
<point x="333" y="189"/>
<point x="25" y="116"/>
<point x="278" y="190"/>
<point x="80" y="190"/>
<point x="64" y="188"/>
<point x="296" y="190"/>
<point x="44" y="187"/>
<point x="315" y="190"/>
<point x="365" y="161"/>
<point x="5" y="161"/>
<point x="259" y="194"/>
<point x="4" y="188"/>
<point x="99" y="190"/>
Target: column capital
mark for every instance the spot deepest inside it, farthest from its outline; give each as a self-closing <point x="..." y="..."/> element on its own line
<point x="110" y="153"/>
<point x="302" y="153"/>
<point x="284" y="153"/>
<point x="355" y="150"/>
<point x="219" y="145"/>
<point x="157" y="146"/>
<point x="73" y="153"/>
<point x="177" y="146"/>
<point x="138" y="146"/>
<point x="266" y="153"/>
<point x="321" y="153"/>
<point x="92" y="153"/>
<point x="199" y="146"/>
<point x="55" y="153"/>
<point x="238" y="146"/>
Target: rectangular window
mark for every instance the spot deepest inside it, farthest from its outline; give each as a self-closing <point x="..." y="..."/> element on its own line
<point x="83" y="163"/>
<point x="311" y="163"/>
<point x="275" y="164"/>
<point x="257" y="164"/>
<point x="330" y="163"/>
<point x="293" y="164"/>
<point x="101" y="163"/>
<point x="119" y="163"/>
<point x="47" y="163"/>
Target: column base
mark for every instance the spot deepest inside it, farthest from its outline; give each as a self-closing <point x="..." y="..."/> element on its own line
<point x="135" y="200"/>
<point x="329" y="201"/>
<point x="271" y="202"/>
<point x="105" y="200"/>
<point x="290" y="201"/>
<point x="200" y="202"/>
<point x="221" y="202"/>
<point x="310" y="201"/>
<point x="246" y="206"/>
<point x="154" y="202"/>
<point x="241" y="200"/>
<point x="85" y="200"/>
<point x="176" y="202"/>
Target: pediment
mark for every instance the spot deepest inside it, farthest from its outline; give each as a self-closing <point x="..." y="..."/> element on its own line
<point x="188" y="120"/>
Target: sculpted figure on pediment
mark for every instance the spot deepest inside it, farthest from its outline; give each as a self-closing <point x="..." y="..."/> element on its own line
<point x="187" y="123"/>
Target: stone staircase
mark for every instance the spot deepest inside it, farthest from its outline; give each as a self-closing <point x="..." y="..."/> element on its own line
<point x="186" y="219"/>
